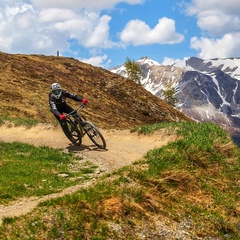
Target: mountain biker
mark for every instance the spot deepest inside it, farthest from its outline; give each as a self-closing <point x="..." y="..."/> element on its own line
<point x="58" y="105"/>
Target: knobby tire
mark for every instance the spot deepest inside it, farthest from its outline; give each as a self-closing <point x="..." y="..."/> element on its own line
<point x="94" y="134"/>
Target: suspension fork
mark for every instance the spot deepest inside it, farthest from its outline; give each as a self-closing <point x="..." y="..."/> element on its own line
<point x="77" y="121"/>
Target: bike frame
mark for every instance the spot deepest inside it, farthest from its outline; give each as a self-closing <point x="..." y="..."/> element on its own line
<point x="77" y="117"/>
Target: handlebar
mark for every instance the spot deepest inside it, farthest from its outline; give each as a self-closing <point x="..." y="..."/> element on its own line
<point x="82" y="105"/>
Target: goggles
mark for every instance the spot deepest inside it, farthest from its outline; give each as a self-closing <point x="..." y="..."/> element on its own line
<point x="57" y="91"/>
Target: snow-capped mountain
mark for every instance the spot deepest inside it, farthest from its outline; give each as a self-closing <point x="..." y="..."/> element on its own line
<point x="207" y="90"/>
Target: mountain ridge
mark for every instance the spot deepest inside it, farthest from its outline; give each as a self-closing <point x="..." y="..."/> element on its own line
<point x="206" y="90"/>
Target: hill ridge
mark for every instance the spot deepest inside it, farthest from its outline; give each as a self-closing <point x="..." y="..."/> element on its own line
<point x="114" y="101"/>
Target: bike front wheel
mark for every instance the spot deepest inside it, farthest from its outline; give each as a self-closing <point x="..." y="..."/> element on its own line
<point x="74" y="134"/>
<point x="94" y="134"/>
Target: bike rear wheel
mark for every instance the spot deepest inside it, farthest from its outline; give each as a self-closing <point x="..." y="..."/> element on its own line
<point x="94" y="134"/>
<point x="76" y="137"/>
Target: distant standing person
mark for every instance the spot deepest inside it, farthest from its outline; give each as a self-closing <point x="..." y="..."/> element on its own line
<point x="58" y="105"/>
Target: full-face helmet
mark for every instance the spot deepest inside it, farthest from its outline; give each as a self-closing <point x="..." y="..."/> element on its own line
<point x="56" y="90"/>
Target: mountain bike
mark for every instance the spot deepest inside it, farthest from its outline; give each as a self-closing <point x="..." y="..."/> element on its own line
<point x="79" y="126"/>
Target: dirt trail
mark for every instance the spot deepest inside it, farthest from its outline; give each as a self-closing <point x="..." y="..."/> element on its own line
<point x="123" y="148"/>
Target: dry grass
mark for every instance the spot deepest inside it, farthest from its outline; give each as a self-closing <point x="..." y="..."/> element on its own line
<point x="114" y="101"/>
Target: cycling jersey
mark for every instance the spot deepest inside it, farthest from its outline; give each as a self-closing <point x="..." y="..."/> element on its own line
<point x="58" y="106"/>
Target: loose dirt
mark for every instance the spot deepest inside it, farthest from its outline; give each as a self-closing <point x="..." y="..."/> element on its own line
<point x="123" y="148"/>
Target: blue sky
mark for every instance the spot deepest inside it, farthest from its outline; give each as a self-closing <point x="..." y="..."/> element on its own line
<point x="104" y="33"/>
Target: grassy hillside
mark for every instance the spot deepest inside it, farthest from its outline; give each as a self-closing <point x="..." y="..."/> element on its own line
<point x="188" y="189"/>
<point x="114" y="102"/>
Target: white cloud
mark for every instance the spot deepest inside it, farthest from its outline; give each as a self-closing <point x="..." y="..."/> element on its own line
<point x="226" y="46"/>
<point x="99" y="37"/>
<point x="56" y="15"/>
<point x="219" y="22"/>
<point x="88" y="29"/>
<point x="216" y="17"/>
<point x="48" y="26"/>
<point x="22" y="31"/>
<point x="77" y="4"/>
<point x="230" y="6"/>
<point x="26" y="30"/>
<point x="96" y="60"/>
<point x="5" y="44"/>
<point x="137" y="32"/>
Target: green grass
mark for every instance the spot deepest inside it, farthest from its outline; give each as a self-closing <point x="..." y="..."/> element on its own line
<point x="192" y="182"/>
<point x="19" y="121"/>
<point x="27" y="171"/>
<point x="146" y="129"/>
